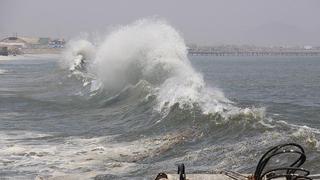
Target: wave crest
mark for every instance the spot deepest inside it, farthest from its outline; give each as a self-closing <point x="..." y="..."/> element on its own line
<point x="153" y="51"/>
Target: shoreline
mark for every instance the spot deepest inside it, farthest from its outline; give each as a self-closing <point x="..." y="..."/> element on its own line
<point x="30" y="56"/>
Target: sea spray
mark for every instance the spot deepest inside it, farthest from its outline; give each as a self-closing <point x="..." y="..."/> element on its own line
<point x="148" y="50"/>
<point x="77" y="51"/>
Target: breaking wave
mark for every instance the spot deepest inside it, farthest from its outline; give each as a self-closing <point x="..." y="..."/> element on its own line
<point x="152" y="52"/>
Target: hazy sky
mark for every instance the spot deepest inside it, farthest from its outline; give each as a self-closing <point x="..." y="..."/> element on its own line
<point x="261" y="22"/>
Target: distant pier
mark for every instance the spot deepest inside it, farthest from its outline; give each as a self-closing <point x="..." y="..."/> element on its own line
<point x="254" y="53"/>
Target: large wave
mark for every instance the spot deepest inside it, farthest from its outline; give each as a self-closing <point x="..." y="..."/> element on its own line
<point x="152" y="51"/>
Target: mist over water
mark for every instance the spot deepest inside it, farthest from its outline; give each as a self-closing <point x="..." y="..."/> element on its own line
<point x="134" y="104"/>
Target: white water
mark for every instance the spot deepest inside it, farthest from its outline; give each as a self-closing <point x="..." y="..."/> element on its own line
<point x="149" y="50"/>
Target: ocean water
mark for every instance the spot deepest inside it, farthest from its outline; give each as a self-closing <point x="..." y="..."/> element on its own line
<point x="135" y="105"/>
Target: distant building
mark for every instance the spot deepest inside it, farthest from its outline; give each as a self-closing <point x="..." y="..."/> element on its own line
<point x="13" y="45"/>
<point x="13" y="42"/>
<point x="25" y="42"/>
<point x="19" y="45"/>
<point x="4" y="51"/>
<point x="36" y="42"/>
<point x="44" y="41"/>
<point x="57" y="43"/>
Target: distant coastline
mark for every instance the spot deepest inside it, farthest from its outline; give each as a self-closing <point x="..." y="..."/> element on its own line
<point x="253" y="53"/>
<point x="251" y="50"/>
<point x="17" y="45"/>
<point x="43" y="51"/>
<point x="246" y="50"/>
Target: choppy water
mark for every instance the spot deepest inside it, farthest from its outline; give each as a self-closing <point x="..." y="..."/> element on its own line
<point x="135" y="112"/>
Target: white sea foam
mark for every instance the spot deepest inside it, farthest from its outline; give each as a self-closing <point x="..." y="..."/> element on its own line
<point x="48" y="157"/>
<point x="153" y="51"/>
<point x="77" y="51"/>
